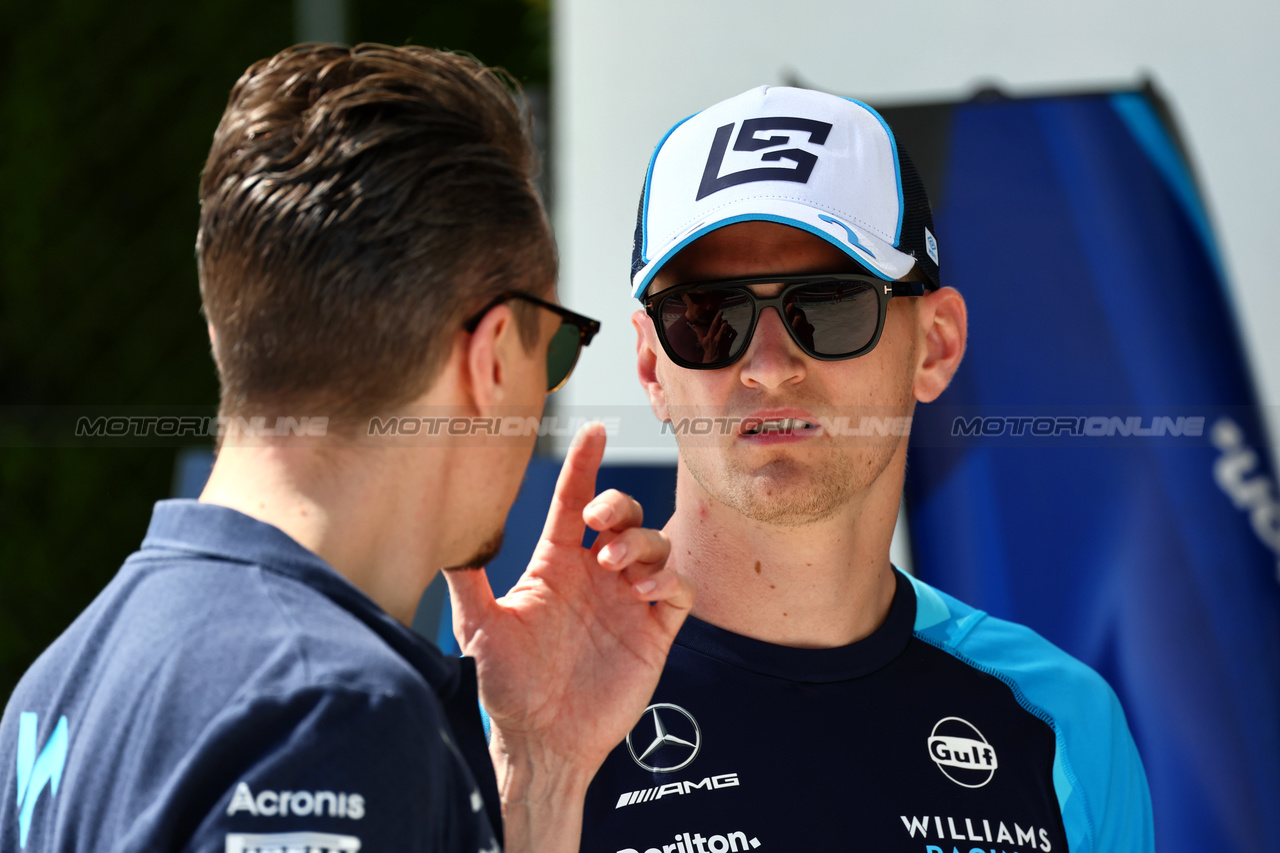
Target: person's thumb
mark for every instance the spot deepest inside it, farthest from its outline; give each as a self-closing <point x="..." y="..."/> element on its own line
<point x="471" y="600"/>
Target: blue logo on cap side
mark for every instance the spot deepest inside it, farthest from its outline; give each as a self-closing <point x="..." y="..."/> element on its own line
<point x="853" y="238"/>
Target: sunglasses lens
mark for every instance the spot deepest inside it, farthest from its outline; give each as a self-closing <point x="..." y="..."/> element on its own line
<point x="833" y="318"/>
<point x="562" y="354"/>
<point x="706" y="326"/>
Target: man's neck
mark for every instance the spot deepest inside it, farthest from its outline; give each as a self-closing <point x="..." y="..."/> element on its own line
<point x="347" y="505"/>
<point x="821" y="585"/>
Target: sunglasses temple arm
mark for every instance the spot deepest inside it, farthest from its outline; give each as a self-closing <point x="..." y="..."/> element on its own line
<point x="908" y="288"/>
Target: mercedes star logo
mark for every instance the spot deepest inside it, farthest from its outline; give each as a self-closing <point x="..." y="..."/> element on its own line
<point x="676" y="752"/>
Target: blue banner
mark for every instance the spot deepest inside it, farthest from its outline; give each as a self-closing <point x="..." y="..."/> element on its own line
<point x="1098" y="469"/>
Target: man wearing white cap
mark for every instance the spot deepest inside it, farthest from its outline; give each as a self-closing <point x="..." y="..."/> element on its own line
<point x="818" y="698"/>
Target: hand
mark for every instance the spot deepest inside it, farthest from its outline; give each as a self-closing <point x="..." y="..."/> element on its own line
<point x="797" y="320"/>
<point x="715" y="342"/>
<point x="568" y="659"/>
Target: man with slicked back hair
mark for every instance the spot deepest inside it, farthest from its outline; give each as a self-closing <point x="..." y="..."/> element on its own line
<point x="371" y="247"/>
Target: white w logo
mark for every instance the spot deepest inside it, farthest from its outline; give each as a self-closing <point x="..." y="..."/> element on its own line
<point x="34" y="773"/>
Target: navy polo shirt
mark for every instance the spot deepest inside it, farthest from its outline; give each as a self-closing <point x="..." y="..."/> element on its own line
<point x="230" y="691"/>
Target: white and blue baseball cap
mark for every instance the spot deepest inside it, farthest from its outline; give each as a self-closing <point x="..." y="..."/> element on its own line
<point x="826" y="164"/>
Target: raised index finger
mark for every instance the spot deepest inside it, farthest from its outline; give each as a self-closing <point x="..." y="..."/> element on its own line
<point x="575" y="487"/>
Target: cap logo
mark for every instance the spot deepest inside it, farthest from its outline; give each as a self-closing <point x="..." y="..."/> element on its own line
<point x="748" y="140"/>
<point x="850" y="236"/>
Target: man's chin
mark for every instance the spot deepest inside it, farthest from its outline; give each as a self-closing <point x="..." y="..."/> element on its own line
<point x="483" y="556"/>
<point x="789" y="509"/>
<point x="781" y="493"/>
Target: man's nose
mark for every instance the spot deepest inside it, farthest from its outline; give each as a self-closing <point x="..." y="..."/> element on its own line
<point x="773" y="359"/>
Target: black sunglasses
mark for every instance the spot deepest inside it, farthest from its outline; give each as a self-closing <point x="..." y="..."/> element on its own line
<point x="575" y="332"/>
<point x="831" y="316"/>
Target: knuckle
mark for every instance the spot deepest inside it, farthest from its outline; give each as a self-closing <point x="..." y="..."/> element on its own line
<point x="644" y="536"/>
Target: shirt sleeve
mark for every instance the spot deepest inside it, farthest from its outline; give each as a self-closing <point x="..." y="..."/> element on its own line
<point x="1122" y="800"/>
<point x="1097" y="772"/>
<point x="325" y="768"/>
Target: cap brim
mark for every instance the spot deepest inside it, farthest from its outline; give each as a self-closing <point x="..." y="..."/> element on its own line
<point x="874" y="253"/>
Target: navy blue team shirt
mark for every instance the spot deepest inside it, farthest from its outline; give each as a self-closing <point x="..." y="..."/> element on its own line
<point x="945" y="731"/>
<point x="229" y="691"/>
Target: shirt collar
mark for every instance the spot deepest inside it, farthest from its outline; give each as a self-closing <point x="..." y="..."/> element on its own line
<point x="221" y="533"/>
<point x="810" y="665"/>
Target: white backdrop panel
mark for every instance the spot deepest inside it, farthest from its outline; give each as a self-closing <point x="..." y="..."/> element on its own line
<point x="625" y="72"/>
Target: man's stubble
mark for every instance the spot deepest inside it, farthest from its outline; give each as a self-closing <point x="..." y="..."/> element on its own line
<point x="483" y="556"/>
<point x="787" y="492"/>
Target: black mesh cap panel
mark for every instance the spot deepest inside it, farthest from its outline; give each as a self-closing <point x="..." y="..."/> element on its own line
<point x="637" y="244"/>
<point x="916" y="217"/>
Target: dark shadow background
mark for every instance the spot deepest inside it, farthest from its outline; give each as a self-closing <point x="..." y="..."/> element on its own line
<point x="106" y="115"/>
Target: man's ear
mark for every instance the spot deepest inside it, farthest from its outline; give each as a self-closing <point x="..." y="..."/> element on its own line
<point x="647" y="364"/>
<point x="213" y="346"/>
<point x="944" y="324"/>
<point x="489" y="356"/>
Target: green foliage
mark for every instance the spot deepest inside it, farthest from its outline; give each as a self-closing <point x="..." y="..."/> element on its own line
<point x="106" y="113"/>
<point x="515" y="34"/>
